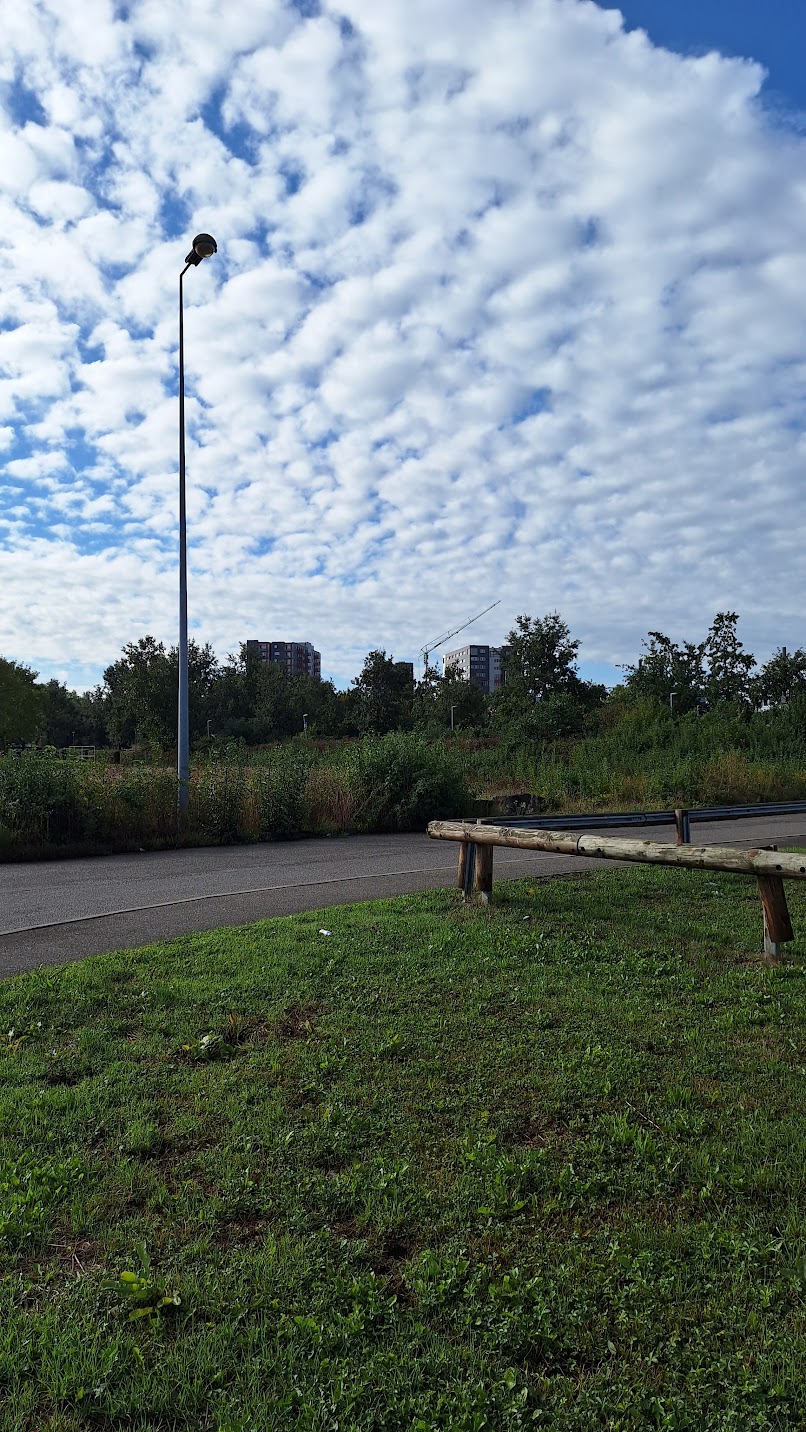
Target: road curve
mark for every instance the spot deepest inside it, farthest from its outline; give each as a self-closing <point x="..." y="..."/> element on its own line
<point x="57" y="911"/>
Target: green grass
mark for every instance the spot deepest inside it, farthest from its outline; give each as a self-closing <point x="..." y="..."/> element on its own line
<point x="445" y="1167"/>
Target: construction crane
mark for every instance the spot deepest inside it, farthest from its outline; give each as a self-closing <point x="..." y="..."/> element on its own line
<point x="425" y="651"/>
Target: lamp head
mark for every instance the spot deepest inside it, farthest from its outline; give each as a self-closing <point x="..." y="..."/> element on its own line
<point x="203" y="246"/>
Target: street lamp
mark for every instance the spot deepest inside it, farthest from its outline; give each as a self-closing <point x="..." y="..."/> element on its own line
<point x="203" y="246"/>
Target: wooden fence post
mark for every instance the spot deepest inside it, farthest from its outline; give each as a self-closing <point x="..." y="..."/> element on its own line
<point x="682" y="823"/>
<point x="461" y="873"/>
<point x="777" y="923"/>
<point x="484" y="872"/>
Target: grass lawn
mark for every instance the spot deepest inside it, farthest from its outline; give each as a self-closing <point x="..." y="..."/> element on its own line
<point x="537" y="1165"/>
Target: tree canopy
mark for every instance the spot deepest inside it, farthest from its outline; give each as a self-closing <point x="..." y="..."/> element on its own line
<point x="22" y="702"/>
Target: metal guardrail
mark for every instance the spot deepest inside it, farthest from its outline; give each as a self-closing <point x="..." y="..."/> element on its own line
<point x="612" y="819"/>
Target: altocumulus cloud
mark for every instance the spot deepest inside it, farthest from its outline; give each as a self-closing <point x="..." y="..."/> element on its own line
<point x="508" y="303"/>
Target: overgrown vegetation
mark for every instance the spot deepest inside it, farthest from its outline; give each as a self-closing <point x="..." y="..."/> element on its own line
<point x="394" y="782"/>
<point x="443" y="1167"/>
<point x="692" y="724"/>
<point x="636" y="755"/>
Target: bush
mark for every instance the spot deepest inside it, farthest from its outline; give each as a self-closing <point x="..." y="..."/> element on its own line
<point x="279" y="788"/>
<point x="329" y="801"/>
<point x="401" y="781"/>
<point x="40" y="799"/>
<point x="216" y="803"/>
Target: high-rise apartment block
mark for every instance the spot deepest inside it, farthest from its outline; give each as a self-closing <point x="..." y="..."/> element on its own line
<point x="297" y="658"/>
<point x="480" y="664"/>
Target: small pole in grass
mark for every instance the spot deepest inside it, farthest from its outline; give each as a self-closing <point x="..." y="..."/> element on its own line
<point x="777" y="923"/>
<point x="483" y="881"/>
<point x="468" y="867"/>
<point x="484" y="872"/>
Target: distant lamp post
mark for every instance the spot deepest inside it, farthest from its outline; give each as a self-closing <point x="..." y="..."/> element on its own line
<point x="305" y="723"/>
<point x="204" y="245"/>
<point x="672" y="695"/>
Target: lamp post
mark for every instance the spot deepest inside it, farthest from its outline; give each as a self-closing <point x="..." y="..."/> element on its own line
<point x="203" y="246"/>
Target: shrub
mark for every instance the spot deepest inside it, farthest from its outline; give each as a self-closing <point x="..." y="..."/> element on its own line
<point x="39" y="798"/>
<point x="215" y="799"/>
<point x="279" y="788"/>
<point x="401" y="781"/>
<point x="329" y="801"/>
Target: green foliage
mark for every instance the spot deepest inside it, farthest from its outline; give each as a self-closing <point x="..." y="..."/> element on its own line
<point x="691" y="725"/>
<point x="445" y="703"/>
<point x="543" y="698"/>
<point x="40" y="798"/>
<point x="47" y="803"/>
<point x="669" y="674"/>
<point x="144" y="1292"/>
<point x="540" y="657"/>
<point x="403" y="780"/>
<point x="30" y="1188"/>
<point x="280" y="789"/>
<point x="729" y="665"/>
<point x="384" y="693"/>
<point x="782" y="679"/>
<point x="21" y="702"/>
<point x="142" y="687"/>
<point x="685" y="677"/>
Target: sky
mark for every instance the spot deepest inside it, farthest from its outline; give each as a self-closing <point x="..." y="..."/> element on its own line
<point x="508" y="306"/>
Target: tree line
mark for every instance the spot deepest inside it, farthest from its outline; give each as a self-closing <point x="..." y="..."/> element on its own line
<point x="244" y="700"/>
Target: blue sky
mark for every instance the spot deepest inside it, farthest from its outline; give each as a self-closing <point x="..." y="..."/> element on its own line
<point x="770" y="31"/>
<point x="508" y="304"/>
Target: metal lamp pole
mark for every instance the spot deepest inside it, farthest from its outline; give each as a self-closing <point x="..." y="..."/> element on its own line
<point x="203" y="246"/>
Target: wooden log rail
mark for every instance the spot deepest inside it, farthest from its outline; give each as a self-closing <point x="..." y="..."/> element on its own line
<point x="770" y="866"/>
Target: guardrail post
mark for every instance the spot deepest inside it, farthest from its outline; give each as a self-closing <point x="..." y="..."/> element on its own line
<point x="777" y="922"/>
<point x="484" y="872"/>
<point x="682" y="823"/>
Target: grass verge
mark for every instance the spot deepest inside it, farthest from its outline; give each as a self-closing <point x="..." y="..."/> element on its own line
<point x="413" y="1165"/>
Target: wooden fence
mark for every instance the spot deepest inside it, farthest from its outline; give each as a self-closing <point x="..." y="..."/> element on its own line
<point x="769" y="866"/>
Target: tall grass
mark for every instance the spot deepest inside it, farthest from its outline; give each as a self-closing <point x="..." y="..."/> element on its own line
<point x="643" y="757"/>
<point x="396" y="782"/>
<point x="636" y="758"/>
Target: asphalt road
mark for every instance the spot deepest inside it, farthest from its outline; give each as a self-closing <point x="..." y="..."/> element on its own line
<point x="53" y="912"/>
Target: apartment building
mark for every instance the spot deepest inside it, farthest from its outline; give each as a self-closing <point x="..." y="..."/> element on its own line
<point x="297" y="658"/>
<point x="480" y="664"/>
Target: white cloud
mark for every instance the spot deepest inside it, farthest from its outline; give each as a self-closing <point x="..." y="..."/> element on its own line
<point x="507" y="304"/>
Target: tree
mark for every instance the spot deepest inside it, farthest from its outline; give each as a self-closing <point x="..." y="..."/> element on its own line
<point x="540" y="658"/>
<point x="250" y="700"/>
<point x="69" y="719"/>
<point x="435" y="696"/>
<point x="781" y="678"/>
<point x="385" y="691"/>
<point x="668" y="673"/>
<point x="21" y="702"/>
<point x="318" y="701"/>
<point x="543" y="697"/>
<point x="142" y="687"/>
<point x="729" y="665"/>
